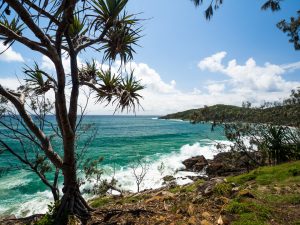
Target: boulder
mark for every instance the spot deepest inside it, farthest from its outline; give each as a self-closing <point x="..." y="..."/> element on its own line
<point x="230" y="163"/>
<point x="195" y="164"/>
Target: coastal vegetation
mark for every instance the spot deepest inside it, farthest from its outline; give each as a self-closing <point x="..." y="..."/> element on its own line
<point x="266" y="195"/>
<point x="259" y="136"/>
<point x="61" y="31"/>
<point x="286" y="113"/>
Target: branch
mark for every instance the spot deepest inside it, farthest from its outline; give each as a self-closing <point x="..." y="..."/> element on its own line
<point x="41" y="11"/>
<point x="29" y="43"/>
<point x="94" y="41"/>
<point x="25" y="16"/>
<point x="47" y="148"/>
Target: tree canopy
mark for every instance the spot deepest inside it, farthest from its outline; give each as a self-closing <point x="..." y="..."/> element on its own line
<point x="62" y="29"/>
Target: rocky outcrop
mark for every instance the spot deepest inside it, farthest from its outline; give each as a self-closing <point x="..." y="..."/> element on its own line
<point x="223" y="164"/>
<point x="195" y="164"/>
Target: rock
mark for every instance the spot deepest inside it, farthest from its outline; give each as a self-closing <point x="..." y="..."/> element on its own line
<point x="168" y="179"/>
<point x="235" y="189"/>
<point x="195" y="164"/>
<point x="205" y="222"/>
<point x="220" y="221"/>
<point x="245" y="193"/>
<point x="195" y="178"/>
<point x="206" y="215"/>
<point x="229" y="163"/>
<point x="192" y="221"/>
<point x="166" y="194"/>
<point x="208" y="187"/>
<point x="223" y="220"/>
<point x="191" y="210"/>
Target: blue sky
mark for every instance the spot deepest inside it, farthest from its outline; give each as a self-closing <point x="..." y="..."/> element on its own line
<point x="183" y="59"/>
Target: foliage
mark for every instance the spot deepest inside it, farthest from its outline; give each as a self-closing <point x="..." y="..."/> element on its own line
<point x="270" y="174"/>
<point x="285" y="113"/>
<point x="48" y="218"/>
<point x="63" y="30"/>
<point x="222" y="189"/>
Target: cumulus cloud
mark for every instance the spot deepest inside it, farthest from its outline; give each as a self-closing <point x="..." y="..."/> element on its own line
<point x="9" y="55"/>
<point x="216" y="88"/>
<point x="250" y="76"/>
<point x="47" y="64"/>
<point x="11" y="83"/>
<point x="161" y="97"/>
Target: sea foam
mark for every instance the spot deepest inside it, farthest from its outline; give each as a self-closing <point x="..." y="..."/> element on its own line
<point x="37" y="203"/>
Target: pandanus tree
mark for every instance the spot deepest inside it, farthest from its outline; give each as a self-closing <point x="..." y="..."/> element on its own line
<point x="291" y="28"/>
<point x="60" y="30"/>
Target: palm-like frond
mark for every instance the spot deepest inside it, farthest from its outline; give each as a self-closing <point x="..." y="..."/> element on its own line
<point x="121" y="39"/>
<point x="109" y="84"/>
<point x="274" y="5"/>
<point x="88" y="72"/>
<point x="77" y="27"/>
<point x="129" y="97"/>
<point x="14" y="25"/>
<point x="35" y="80"/>
<point x="106" y="12"/>
<point x="117" y="90"/>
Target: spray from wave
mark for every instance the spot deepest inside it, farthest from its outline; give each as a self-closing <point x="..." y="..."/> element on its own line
<point x="37" y="203"/>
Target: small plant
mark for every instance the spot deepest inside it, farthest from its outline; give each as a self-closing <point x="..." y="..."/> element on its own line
<point x="222" y="189"/>
<point x="139" y="170"/>
<point x="48" y="218"/>
<point x="295" y="172"/>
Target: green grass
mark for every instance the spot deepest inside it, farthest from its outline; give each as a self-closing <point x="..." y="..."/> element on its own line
<point x="293" y="199"/>
<point x="188" y="188"/>
<point x="101" y="201"/>
<point x="222" y="189"/>
<point x="284" y="173"/>
<point x="247" y="208"/>
<point x="249" y="219"/>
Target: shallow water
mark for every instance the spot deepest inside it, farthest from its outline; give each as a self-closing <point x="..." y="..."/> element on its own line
<point x="121" y="140"/>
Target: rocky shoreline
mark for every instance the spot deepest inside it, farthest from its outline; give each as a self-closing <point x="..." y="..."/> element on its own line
<point x="222" y="165"/>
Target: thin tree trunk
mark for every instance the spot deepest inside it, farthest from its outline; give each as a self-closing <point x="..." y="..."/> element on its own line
<point x="72" y="203"/>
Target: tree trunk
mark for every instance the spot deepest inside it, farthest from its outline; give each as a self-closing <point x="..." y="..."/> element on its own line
<point x="72" y="203"/>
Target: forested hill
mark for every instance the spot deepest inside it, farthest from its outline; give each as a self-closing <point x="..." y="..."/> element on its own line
<point x="279" y="115"/>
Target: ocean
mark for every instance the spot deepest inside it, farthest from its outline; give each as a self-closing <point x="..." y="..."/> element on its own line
<point x="121" y="141"/>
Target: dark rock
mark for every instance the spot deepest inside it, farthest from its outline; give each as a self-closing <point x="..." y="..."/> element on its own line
<point x="230" y="163"/>
<point x="207" y="188"/>
<point x="195" y="178"/>
<point x="168" y="178"/>
<point x="195" y="164"/>
<point x="245" y="193"/>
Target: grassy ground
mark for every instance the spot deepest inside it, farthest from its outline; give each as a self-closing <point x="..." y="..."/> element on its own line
<point x="267" y="195"/>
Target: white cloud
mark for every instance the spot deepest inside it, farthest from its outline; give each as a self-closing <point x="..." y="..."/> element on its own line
<point x="215" y="89"/>
<point x="161" y="97"/>
<point x="9" y="55"/>
<point x="251" y="76"/>
<point x="151" y="79"/>
<point x="11" y="83"/>
<point x="47" y="64"/>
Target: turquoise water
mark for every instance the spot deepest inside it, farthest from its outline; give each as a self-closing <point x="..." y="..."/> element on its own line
<point x="120" y="140"/>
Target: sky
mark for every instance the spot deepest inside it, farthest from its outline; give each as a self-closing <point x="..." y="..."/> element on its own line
<point x="187" y="62"/>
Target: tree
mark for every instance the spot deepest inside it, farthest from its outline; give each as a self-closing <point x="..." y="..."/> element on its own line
<point x="139" y="169"/>
<point x="292" y="28"/>
<point x="59" y="29"/>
